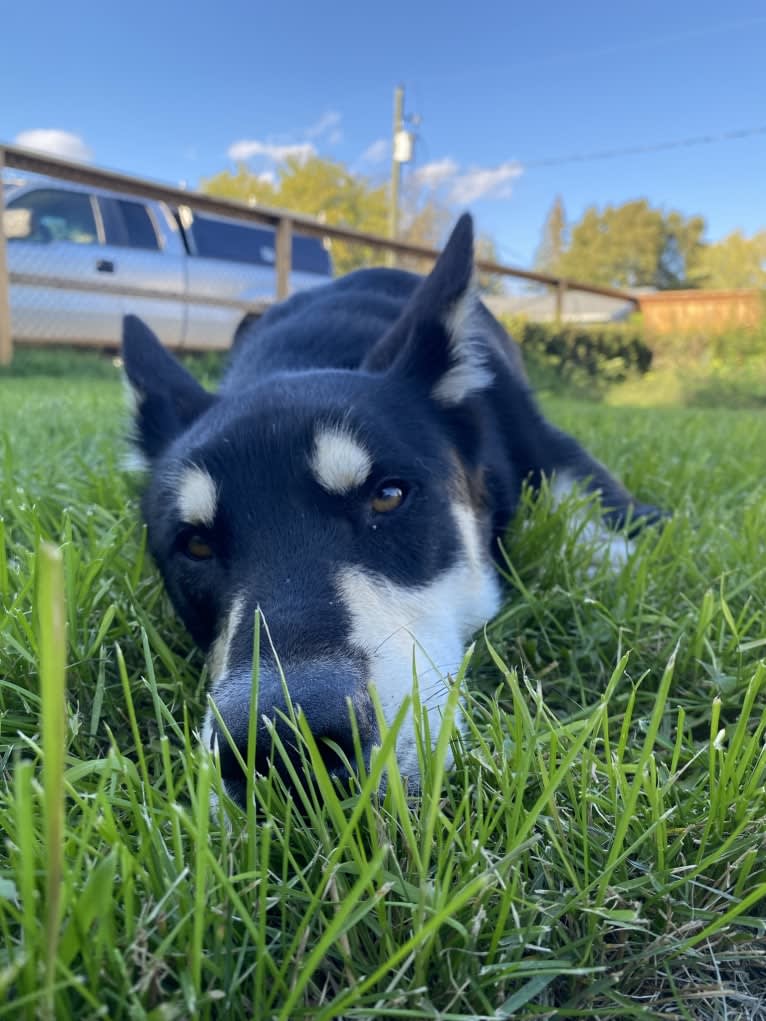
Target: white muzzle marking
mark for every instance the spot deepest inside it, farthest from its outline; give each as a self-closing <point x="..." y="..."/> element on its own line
<point x="391" y="624"/>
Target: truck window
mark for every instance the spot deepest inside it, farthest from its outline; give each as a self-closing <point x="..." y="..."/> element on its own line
<point x="310" y="256"/>
<point x="138" y="225"/>
<point x="235" y="242"/>
<point x="48" y="214"/>
<point x="216" y="238"/>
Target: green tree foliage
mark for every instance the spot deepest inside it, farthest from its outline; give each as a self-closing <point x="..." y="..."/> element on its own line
<point x="554" y="239"/>
<point x="635" y="245"/>
<point x="488" y="283"/>
<point x="423" y="220"/>
<point x="330" y="191"/>
<point x="735" y="261"/>
<point x="318" y="187"/>
<point x="242" y="185"/>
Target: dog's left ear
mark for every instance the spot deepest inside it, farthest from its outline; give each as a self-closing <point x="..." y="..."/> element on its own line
<point x="166" y="398"/>
<point x="438" y="340"/>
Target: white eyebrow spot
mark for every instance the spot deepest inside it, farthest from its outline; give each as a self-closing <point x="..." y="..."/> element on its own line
<point x="339" y="460"/>
<point x="197" y="496"/>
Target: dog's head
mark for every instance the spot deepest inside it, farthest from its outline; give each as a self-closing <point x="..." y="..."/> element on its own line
<point x="347" y="506"/>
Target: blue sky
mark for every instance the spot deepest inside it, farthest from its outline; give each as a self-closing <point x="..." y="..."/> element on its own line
<point x="172" y="91"/>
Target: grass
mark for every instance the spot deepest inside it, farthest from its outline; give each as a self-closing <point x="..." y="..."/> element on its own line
<point x="599" y="850"/>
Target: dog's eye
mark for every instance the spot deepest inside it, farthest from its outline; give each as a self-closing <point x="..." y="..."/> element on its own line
<point x="196" y="546"/>
<point x="388" y="497"/>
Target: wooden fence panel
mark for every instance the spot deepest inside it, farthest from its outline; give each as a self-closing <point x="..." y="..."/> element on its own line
<point x="701" y="311"/>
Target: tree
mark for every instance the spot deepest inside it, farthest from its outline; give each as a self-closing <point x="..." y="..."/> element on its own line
<point x="735" y="261"/>
<point x="681" y="253"/>
<point x="488" y="283"/>
<point x="553" y="242"/>
<point x="423" y="218"/>
<point x="242" y="186"/>
<point x="634" y="245"/>
<point x="328" y="190"/>
<point x="318" y="187"/>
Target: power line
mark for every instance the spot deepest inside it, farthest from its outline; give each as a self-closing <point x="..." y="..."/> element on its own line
<point x="639" y="150"/>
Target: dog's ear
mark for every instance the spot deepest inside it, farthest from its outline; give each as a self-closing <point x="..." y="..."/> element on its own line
<point x="438" y="340"/>
<point x="165" y="398"/>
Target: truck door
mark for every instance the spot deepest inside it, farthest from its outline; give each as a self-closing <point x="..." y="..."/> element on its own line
<point x="144" y="251"/>
<point x="55" y="245"/>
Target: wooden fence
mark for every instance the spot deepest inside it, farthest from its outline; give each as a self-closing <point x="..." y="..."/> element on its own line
<point x="696" y="311"/>
<point x="283" y="221"/>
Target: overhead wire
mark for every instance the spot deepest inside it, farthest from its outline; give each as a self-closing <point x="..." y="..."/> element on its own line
<point x="639" y="150"/>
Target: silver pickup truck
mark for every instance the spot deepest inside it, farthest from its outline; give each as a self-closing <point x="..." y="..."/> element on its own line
<point x="67" y="245"/>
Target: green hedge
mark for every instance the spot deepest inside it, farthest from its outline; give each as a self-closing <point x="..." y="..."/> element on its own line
<point x="591" y="356"/>
<point x="586" y="358"/>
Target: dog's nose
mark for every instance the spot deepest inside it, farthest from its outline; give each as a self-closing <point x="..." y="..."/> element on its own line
<point x="326" y="692"/>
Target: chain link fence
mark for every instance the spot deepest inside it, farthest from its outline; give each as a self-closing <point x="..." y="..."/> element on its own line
<point x="81" y="247"/>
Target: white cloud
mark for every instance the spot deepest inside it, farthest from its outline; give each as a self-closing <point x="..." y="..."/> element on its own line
<point x="466" y="186"/>
<point x="485" y="183"/>
<point x="247" y="148"/>
<point x="328" y="124"/>
<point x="326" y="128"/>
<point x="434" y="174"/>
<point x="56" y="143"/>
<point x="376" y="152"/>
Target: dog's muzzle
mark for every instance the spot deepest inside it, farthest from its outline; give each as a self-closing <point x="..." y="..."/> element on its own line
<point x="326" y="691"/>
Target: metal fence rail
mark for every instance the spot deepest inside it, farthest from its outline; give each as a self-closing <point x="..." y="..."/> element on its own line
<point x="283" y="221"/>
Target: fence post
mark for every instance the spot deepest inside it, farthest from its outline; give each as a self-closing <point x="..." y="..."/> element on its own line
<point x="6" y="340"/>
<point x="561" y="290"/>
<point x="284" y="256"/>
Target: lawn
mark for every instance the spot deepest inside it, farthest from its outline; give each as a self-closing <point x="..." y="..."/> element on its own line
<point x="599" y="850"/>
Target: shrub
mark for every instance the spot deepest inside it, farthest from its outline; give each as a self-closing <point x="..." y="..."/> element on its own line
<point x="588" y="357"/>
<point x="738" y="346"/>
<point x="696" y="369"/>
<point x="621" y="363"/>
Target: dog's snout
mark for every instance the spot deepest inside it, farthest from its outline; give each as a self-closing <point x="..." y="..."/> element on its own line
<point x="327" y="693"/>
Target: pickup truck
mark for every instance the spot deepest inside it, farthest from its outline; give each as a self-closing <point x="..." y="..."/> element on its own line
<point x="196" y="279"/>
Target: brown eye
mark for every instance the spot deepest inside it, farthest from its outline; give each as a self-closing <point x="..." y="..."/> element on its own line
<point x="197" y="548"/>
<point x="388" y="498"/>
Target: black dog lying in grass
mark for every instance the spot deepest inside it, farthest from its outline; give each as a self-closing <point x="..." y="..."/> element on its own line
<point x="351" y="478"/>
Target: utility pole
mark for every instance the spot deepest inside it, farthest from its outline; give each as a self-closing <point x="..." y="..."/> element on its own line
<point x="401" y="152"/>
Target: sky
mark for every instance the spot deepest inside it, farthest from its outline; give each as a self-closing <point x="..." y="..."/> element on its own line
<point x="517" y="102"/>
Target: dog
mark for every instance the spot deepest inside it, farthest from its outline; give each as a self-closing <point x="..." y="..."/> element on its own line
<point x="351" y="480"/>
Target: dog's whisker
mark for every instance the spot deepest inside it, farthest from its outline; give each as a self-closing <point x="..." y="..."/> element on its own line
<point x="406" y="626"/>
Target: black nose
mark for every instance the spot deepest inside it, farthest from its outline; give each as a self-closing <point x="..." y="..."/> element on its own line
<point x="322" y="691"/>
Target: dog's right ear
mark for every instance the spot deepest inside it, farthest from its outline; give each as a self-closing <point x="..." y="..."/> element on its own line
<point x="439" y="340"/>
<point x="165" y="398"/>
